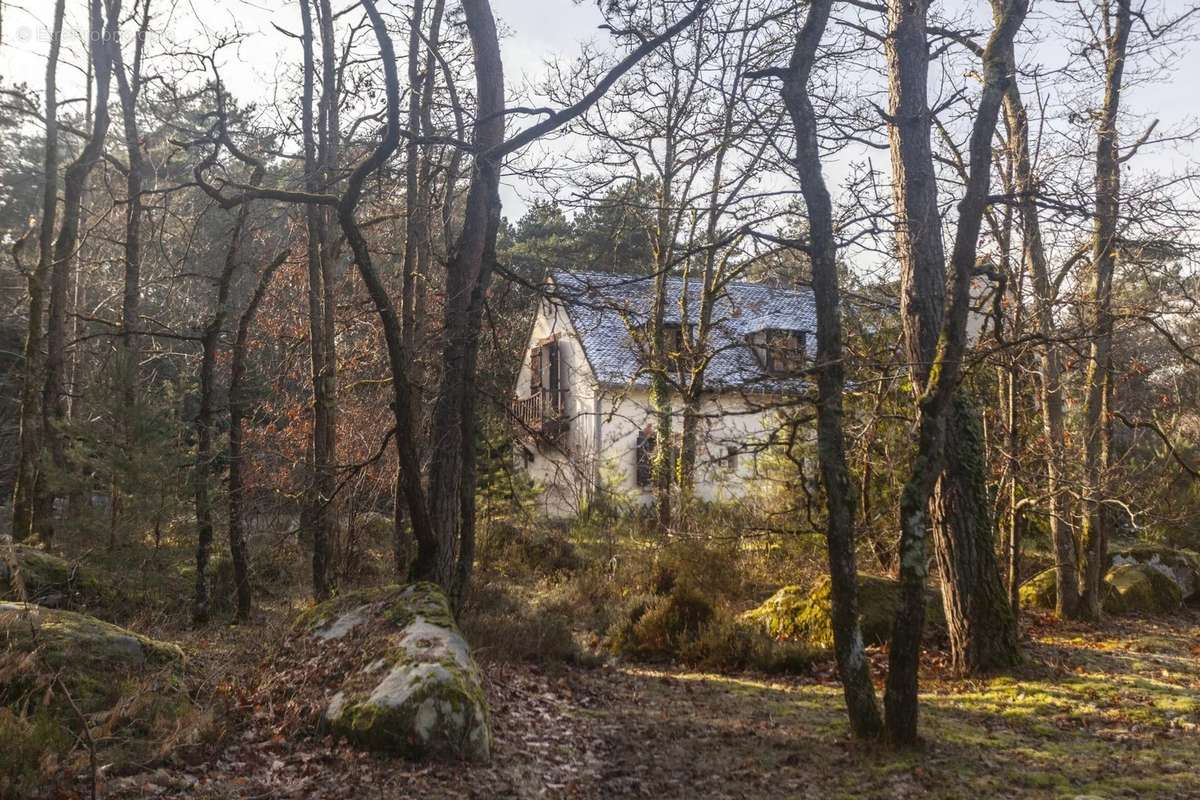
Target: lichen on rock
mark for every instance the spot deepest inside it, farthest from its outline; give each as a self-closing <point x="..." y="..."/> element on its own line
<point x="801" y="614"/>
<point x="1140" y="588"/>
<point x="418" y="691"/>
<point x="1181" y="566"/>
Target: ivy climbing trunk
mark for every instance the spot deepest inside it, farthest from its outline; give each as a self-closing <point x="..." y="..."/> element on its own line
<point x="934" y="339"/>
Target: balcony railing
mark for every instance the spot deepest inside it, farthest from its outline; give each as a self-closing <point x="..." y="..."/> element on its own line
<point x="542" y="413"/>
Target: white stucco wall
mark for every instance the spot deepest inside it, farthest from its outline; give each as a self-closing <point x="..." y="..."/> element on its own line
<point x="600" y="446"/>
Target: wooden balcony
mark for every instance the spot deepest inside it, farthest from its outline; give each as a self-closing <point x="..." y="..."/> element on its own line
<point x="542" y="415"/>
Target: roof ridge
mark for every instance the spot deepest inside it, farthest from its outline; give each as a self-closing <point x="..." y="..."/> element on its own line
<point x="632" y="279"/>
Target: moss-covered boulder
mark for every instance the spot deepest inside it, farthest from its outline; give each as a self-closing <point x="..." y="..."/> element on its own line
<point x="27" y="573"/>
<point x="799" y="614"/>
<point x="1138" y="588"/>
<point x="1040" y="591"/>
<point x="413" y="688"/>
<point x="92" y="657"/>
<point x="1181" y="566"/>
<point x="131" y="689"/>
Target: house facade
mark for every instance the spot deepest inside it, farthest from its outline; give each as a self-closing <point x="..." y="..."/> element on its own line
<point x="582" y="404"/>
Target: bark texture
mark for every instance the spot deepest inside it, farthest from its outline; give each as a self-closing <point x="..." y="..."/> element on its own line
<point x="979" y="616"/>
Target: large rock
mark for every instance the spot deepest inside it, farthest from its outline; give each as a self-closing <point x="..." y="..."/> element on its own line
<point x="1040" y="591"/>
<point x="1181" y="566"/>
<point x="56" y="665"/>
<point x="1138" y="588"/>
<point x="415" y="690"/>
<point x="805" y="615"/>
<point x="92" y="657"/>
<point x="46" y="579"/>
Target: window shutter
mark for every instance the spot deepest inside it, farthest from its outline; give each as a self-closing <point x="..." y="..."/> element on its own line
<point x="535" y="370"/>
<point x="554" y="376"/>
<point x="552" y="360"/>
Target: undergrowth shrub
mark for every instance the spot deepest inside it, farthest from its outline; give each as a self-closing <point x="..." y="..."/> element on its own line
<point x="30" y="748"/>
<point x="505" y="625"/>
<point x="727" y="644"/>
<point x="660" y="626"/>
<point x="528" y="550"/>
<point x="685" y="626"/>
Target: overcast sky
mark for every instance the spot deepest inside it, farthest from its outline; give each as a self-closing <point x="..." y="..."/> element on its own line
<point x="538" y="31"/>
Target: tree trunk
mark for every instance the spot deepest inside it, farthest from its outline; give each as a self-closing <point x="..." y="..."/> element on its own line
<point x="1050" y="383"/>
<point x="237" y="415"/>
<point x="1104" y="257"/>
<point x="409" y="471"/>
<point x="317" y="512"/>
<point x="28" y="475"/>
<point x="54" y="398"/>
<point x="983" y="631"/>
<point x="934" y="343"/>
<point x="210" y="340"/>
<point x="129" y="88"/>
<point x="468" y="272"/>
<point x="853" y="668"/>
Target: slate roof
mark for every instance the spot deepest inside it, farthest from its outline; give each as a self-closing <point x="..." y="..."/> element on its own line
<point x="603" y="306"/>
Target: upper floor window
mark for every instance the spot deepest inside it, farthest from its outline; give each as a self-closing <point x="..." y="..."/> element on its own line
<point x="780" y="352"/>
<point x="546" y="372"/>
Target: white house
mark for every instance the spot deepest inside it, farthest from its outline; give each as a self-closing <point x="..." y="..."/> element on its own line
<point x="582" y="403"/>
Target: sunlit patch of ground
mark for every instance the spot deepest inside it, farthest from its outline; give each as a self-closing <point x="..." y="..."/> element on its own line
<point x="1105" y="714"/>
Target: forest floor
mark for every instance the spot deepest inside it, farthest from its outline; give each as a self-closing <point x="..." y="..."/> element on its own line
<point x="1096" y="713"/>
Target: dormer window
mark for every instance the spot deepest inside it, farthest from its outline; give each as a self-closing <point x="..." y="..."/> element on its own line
<point x="780" y="352"/>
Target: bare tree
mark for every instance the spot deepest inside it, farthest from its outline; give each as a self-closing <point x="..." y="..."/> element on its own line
<point x="1117" y="19"/>
<point x="129" y="89"/>
<point x="317" y="518"/>
<point x="237" y="415"/>
<point x="840" y="501"/>
<point x="103" y="37"/>
<point x="25" y="521"/>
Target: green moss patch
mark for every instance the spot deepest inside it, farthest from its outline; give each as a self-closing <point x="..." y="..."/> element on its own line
<point x="795" y="613"/>
<point x="91" y="656"/>
<point x="1040" y="591"/>
<point x="1182" y="566"/>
